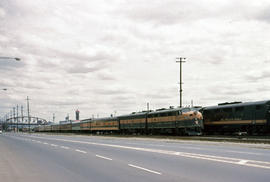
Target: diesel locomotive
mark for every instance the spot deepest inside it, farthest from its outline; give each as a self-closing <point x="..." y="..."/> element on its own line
<point x="252" y="118"/>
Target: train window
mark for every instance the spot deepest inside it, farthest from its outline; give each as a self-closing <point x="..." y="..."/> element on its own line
<point x="238" y="109"/>
<point x="170" y="114"/>
<point x="227" y="110"/>
<point x="163" y="114"/>
<point x="226" y="114"/>
<point x="239" y="113"/>
<point x="212" y="115"/>
<point x="258" y="107"/>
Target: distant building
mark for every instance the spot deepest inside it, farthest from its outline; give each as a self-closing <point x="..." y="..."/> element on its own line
<point x="77" y="114"/>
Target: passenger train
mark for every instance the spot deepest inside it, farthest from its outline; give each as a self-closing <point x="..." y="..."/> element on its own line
<point x="252" y="118"/>
<point x="178" y="121"/>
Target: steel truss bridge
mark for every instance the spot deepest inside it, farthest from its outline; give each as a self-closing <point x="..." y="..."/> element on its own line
<point x="22" y="122"/>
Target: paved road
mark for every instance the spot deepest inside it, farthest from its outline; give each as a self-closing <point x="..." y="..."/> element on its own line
<point x="36" y="157"/>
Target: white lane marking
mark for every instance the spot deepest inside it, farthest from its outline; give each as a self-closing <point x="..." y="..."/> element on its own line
<point x="148" y="170"/>
<point x="251" y="163"/>
<point x="233" y="151"/>
<point x="33" y="140"/>
<point x="103" y="157"/>
<point x="54" y="145"/>
<point x="243" y="162"/>
<point x="45" y="143"/>
<point x="148" y="144"/>
<point x="156" y="145"/>
<point x="38" y="141"/>
<point x="77" y="150"/>
<point x="211" y="149"/>
<point x="63" y="147"/>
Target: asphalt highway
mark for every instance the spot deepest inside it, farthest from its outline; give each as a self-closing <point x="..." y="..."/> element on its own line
<point x="39" y="157"/>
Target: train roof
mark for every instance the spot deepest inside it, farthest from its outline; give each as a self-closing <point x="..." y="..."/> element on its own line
<point x="162" y="110"/>
<point x="237" y="104"/>
<point x="86" y="120"/>
<point x="106" y="119"/>
<point x="184" y="109"/>
<point x="98" y="119"/>
<point x="54" y="124"/>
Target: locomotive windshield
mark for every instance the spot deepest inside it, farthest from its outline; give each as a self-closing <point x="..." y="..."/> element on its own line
<point x="186" y="109"/>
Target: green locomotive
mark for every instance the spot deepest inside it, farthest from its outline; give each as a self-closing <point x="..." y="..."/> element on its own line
<point x="179" y="121"/>
<point x="237" y="117"/>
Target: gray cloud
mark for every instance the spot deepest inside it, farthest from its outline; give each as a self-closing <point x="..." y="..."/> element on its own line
<point x="161" y="94"/>
<point x="110" y="91"/>
<point x="106" y="77"/>
<point x="10" y="64"/>
<point x="264" y="15"/>
<point x="64" y="102"/>
<point x="258" y="77"/>
<point x="175" y="11"/>
<point x="229" y="89"/>
<point x="2" y="13"/>
<point x="118" y="55"/>
<point x="84" y="69"/>
<point x="186" y="12"/>
<point x="263" y="88"/>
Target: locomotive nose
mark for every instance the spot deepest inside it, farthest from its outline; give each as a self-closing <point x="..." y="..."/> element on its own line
<point x="199" y="115"/>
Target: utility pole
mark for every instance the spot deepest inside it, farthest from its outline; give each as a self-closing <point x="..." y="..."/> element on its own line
<point x="14" y="116"/>
<point x="146" y="119"/>
<point x="10" y="115"/>
<point x="17" y="118"/>
<point x="28" y="112"/>
<point x="181" y="61"/>
<point x="22" y="113"/>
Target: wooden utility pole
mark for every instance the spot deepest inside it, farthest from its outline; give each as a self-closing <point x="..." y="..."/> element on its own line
<point x="181" y="61"/>
<point x="22" y="113"/>
<point x="17" y="118"/>
<point x="28" y="112"/>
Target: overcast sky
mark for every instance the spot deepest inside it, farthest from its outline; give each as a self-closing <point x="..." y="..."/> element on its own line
<point x="107" y="56"/>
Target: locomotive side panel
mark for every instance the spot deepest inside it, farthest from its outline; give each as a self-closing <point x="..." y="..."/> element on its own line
<point x="241" y="117"/>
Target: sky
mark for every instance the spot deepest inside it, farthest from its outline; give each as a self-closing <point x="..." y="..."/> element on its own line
<point x="106" y="57"/>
